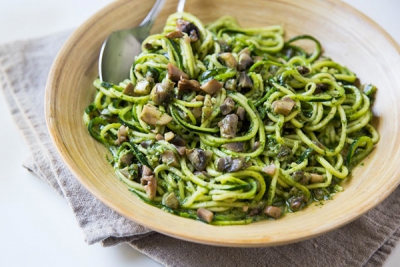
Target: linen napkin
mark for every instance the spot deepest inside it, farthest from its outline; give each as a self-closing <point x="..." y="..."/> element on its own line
<point x="24" y="66"/>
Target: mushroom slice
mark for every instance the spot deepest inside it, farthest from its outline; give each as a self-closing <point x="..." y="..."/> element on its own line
<point x="150" y="185"/>
<point x="272" y="211"/>
<point x="245" y="60"/>
<point x="199" y="158"/>
<point x="241" y="112"/>
<point x="244" y="81"/>
<point x="162" y="93"/>
<point x="205" y="215"/>
<point x="229" y="60"/>
<point x="174" y="34"/>
<point x="129" y="89"/>
<point x="151" y="115"/>
<point x="270" y="169"/>
<point x="174" y="73"/>
<point x="168" y="157"/>
<point x="185" y="84"/>
<point x="236" y="146"/>
<point x="122" y="135"/>
<point x="283" y="106"/>
<point x="227" y="106"/>
<point x="228" y="126"/>
<point x="171" y="200"/>
<point x="316" y="178"/>
<point x="211" y="87"/>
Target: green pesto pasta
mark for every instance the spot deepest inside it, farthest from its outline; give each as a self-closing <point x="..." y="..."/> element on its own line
<point x="232" y="125"/>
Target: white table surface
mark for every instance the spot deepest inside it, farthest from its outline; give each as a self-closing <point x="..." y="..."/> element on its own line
<point x="37" y="226"/>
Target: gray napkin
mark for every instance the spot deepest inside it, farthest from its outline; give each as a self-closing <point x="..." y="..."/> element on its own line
<point x="24" y="66"/>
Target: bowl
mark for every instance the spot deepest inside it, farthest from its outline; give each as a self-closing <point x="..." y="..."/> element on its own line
<point x="347" y="36"/>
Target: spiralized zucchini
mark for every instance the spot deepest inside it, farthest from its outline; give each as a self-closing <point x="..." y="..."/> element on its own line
<point x="231" y="125"/>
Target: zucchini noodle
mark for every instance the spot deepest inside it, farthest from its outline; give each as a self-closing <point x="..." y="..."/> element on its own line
<point x="229" y="125"/>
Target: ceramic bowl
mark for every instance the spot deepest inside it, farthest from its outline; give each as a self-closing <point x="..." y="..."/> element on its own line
<point x="347" y="36"/>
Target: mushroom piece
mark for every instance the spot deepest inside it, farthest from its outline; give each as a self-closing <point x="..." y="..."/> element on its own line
<point x="205" y="215"/>
<point x="188" y="28"/>
<point x="159" y="137"/>
<point x="230" y="85"/>
<point x="272" y="211"/>
<point x="126" y="159"/>
<point x="296" y="203"/>
<point x="270" y="169"/>
<point x="162" y="93"/>
<point x="150" y="185"/>
<point x="174" y="34"/>
<point x="122" y="135"/>
<point x="142" y="87"/>
<point x="236" y="146"/>
<point x="169" y="136"/>
<point x="245" y="60"/>
<point x="174" y="73"/>
<point x="199" y="158"/>
<point x="171" y="200"/>
<point x="301" y="177"/>
<point x="146" y="171"/>
<point x="283" y="152"/>
<point x="185" y="84"/>
<point x="283" y="106"/>
<point x="129" y="89"/>
<point x="229" y="60"/>
<point x="178" y="141"/>
<point x="228" y="126"/>
<point x="224" y="46"/>
<point x="241" y="112"/>
<point x="181" y="150"/>
<point x="236" y="164"/>
<point x="303" y="70"/>
<point x="211" y="87"/>
<point x="227" y="106"/>
<point x="316" y="178"/>
<point x="168" y="157"/>
<point x="245" y="82"/>
<point x="151" y="115"/>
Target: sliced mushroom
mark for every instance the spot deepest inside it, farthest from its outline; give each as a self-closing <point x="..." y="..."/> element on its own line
<point x="283" y="152"/>
<point x="151" y="115"/>
<point x="270" y="169"/>
<point x="185" y="84"/>
<point x="174" y="34"/>
<point x="174" y="73"/>
<point x="150" y="185"/>
<point x="211" y="87"/>
<point x="169" y="136"/>
<point x="227" y="106"/>
<point x="178" y="141"/>
<point x="197" y="111"/>
<point x="229" y="60"/>
<point x="222" y="163"/>
<point x="316" y="178"/>
<point x="188" y="28"/>
<point x="245" y="60"/>
<point x="245" y="82"/>
<point x="236" y="164"/>
<point x="147" y="143"/>
<point x="296" y="203"/>
<point x="241" y="112"/>
<point x="168" y="157"/>
<point x="122" y="135"/>
<point x="236" y="146"/>
<point x="228" y="126"/>
<point x="303" y="70"/>
<point x="256" y="145"/>
<point x="230" y="85"/>
<point x="126" y="159"/>
<point x="162" y="93"/>
<point x="283" y="106"/>
<point x="272" y="211"/>
<point x="199" y="158"/>
<point x="171" y="200"/>
<point x="129" y="89"/>
<point x="142" y="87"/>
<point x="146" y="171"/>
<point x="159" y="137"/>
<point x="205" y="215"/>
<point x="181" y="150"/>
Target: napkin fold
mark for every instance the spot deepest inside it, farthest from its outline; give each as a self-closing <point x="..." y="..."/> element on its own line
<point x="24" y="66"/>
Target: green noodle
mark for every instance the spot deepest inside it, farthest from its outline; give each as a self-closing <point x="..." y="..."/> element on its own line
<point x="286" y="160"/>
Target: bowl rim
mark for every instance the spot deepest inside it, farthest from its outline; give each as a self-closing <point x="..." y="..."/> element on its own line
<point x="53" y="79"/>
